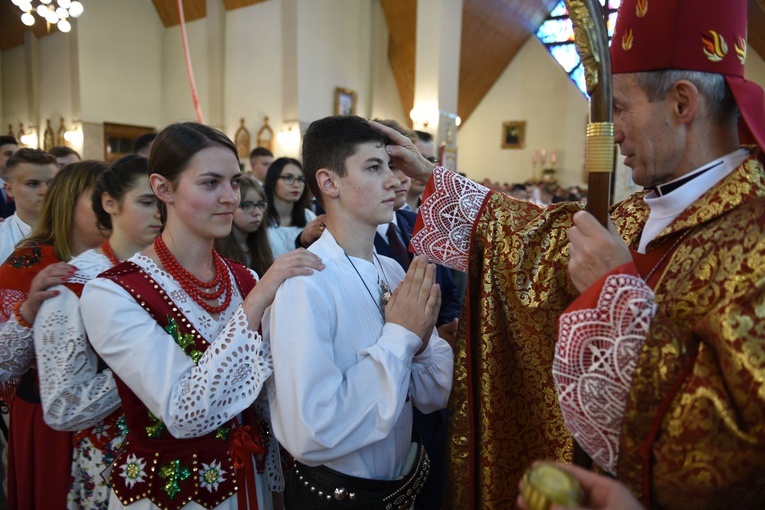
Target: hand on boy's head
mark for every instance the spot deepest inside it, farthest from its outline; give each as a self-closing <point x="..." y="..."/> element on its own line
<point x="415" y="303"/>
<point x="404" y="155"/>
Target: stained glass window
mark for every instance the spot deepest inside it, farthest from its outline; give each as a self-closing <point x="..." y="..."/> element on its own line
<point x="557" y="34"/>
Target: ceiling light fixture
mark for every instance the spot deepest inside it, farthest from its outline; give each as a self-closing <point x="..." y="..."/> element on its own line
<point x="54" y="13"/>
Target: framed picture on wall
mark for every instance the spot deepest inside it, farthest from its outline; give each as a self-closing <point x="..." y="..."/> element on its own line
<point x="345" y="101"/>
<point x="514" y="134"/>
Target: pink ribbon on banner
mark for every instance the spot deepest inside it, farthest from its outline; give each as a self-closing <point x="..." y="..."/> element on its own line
<point x="189" y="70"/>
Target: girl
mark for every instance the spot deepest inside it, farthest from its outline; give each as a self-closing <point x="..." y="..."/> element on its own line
<point x="248" y="242"/>
<point x="39" y="458"/>
<point x="181" y="337"/>
<point x="79" y="393"/>
<point x="291" y="224"/>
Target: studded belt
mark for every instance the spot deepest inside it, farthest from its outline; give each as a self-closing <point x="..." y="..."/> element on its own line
<point x="320" y="488"/>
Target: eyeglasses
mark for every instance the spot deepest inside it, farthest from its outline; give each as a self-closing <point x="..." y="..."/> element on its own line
<point x="290" y="179"/>
<point x="249" y="207"/>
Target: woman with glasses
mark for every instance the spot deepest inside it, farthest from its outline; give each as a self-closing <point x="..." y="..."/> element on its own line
<point x="248" y="242"/>
<point x="291" y="224"/>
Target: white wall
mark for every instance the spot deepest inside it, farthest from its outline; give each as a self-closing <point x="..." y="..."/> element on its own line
<point x="533" y="88"/>
<point x="55" y="82"/>
<point x="15" y="96"/>
<point x="334" y="50"/>
<point x="120" y="60"/>
<point x="177" y="104"/>
<point x="755" y="68"/>
<point x="253" y="80"/>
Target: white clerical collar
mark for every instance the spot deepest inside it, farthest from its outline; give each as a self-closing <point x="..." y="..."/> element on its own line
<point x="669" y="200"/>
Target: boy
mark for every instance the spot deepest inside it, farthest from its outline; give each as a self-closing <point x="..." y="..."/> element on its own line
<point x="348" y="367"/>
<point x="260" y="159"/>
<point x="29" y="172"/>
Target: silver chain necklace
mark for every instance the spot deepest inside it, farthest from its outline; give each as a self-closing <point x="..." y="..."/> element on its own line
<point x="385" y="293"/>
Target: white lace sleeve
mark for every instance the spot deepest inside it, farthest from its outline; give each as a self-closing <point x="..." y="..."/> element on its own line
<point x="191" y="400"/>
<point x="595" y="358"/>
<point x="17" y="350"/>
<point x="74" y="394"/>
<point x="448" y="216"/>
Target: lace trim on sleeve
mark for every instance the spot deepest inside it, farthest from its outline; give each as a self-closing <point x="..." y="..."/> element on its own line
<point x="448" y="215"/>
<point x="16" y="344"/>
<point x="595" y="358"/>
<point x="234" y="367"/>
<point x="75" y="395"/>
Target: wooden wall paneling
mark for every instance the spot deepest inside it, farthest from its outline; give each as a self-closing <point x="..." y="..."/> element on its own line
<point x="401" y="17"/>
<point x="168" y="11"/>
<point x="236" y="4"/>
<point x="756" y="27"/>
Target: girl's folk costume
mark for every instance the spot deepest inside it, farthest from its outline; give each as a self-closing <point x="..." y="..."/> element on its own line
<point x="39" y="458"/>
<point x="183" y="374"/>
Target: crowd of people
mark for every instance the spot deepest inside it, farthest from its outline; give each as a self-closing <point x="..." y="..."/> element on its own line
<point x="177" y="333"/>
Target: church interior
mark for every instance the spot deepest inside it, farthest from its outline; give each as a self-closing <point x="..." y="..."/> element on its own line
<point x="481" y="75"/>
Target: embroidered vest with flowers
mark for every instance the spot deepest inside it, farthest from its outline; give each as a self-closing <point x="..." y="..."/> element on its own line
<point x="152" y="464"/>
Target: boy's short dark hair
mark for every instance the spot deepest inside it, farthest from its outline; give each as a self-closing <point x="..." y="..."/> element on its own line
<point x="8" y="140"/>
<point x="396" y="126"/>
<point x="61" y="151"/>
<point x="143" y="141"/>
<point x="261" y="151"/>
<point x="423" y="136"/>
<point x="33" y="156"/>
<point x="328" y="142"/>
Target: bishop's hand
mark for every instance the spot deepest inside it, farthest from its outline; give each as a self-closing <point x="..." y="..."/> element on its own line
<point x="404" y="155"/>
<point x="594" y="251"/>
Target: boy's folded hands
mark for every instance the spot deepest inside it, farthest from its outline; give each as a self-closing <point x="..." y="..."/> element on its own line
<point x="415" y="303"/>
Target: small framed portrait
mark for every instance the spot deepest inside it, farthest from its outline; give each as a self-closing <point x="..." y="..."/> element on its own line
<point x="345" y="101"/>
<point x="513" y="134"/>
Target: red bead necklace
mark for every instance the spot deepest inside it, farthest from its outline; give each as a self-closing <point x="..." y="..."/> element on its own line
<point x="109" y="252"/>
<point x="191" y="284"/>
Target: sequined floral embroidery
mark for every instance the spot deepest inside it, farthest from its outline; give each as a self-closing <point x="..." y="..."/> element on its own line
<point x="25" y="257"/>
<point x="174" y="473"/>
<point x="133" y="470"/>
<point x="184" y="340"/>
<point x="211" y="475"/>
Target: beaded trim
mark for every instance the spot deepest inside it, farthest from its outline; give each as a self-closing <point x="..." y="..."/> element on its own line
<point x="17" y="313"/>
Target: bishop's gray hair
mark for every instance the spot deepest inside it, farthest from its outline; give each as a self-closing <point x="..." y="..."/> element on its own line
<point x="722" y="105"/>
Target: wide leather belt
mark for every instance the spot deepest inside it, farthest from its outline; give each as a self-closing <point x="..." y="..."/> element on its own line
<point x="321" y="488"/>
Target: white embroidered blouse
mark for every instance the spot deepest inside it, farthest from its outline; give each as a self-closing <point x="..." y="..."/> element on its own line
<point x="191" y="400"/>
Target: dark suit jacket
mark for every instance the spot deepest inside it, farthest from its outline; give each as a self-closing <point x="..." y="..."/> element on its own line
<point x="6" y="209"/>
<point x="450" y="299"/>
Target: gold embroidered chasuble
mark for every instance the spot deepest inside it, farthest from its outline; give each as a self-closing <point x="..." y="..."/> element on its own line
<point x="693" y="431"/>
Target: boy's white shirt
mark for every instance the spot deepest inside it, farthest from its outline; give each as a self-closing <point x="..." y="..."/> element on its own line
<point x="12" y="230"/>
<point x="344" y="382"/>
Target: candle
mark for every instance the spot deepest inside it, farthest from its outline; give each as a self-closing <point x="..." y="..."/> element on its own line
<point x="543" y="156"/>
<point x="534" y="157"/>
<point x="553" y="158"/>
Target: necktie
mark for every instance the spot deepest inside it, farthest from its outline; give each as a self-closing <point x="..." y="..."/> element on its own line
<point x="400" y="253"/>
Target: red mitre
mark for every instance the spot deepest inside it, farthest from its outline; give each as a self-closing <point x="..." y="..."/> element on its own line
<point x="695" y="35"/>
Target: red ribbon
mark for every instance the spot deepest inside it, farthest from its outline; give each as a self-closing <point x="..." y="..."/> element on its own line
<point x="246" y="442"/>
<point x="189" y="69"/>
